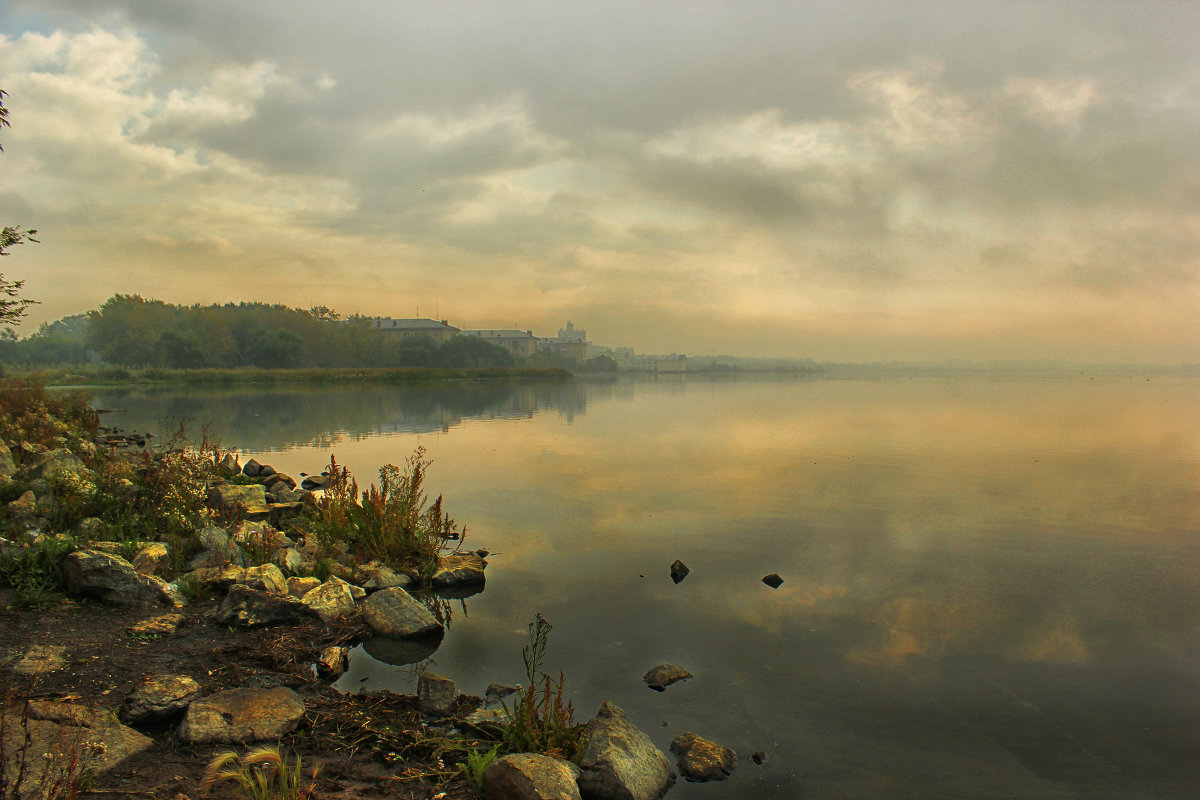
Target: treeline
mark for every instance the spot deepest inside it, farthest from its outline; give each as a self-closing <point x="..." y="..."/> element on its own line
<point x="129" y="331"/>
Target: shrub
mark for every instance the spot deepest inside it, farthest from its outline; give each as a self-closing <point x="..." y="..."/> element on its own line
<point x="32" y="414"/>
<point x="35" y="573"/>
<point x="393" y="522"/>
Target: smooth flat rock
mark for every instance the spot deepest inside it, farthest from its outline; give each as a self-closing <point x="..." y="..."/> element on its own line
<point x="529" y="776"/>
<point x="265" y="577"/>
<point x="161" y="625"/>
<point x="298" y="586"/>
<point x="40" y="659"/>
<point x="394" y="612"/>
<point x="236" y="716"/>
<point x="375" y="575"/>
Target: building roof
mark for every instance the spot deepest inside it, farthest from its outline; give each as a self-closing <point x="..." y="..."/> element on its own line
<point x="411" y="324"/>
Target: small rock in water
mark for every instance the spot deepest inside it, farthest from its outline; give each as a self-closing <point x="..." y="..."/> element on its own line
<point x="679" y="571"/>
<point x="758" y="757"/>
<point x="702" y="760"/>
<point x="660" y="677"/>
<point x="773" y="580"/>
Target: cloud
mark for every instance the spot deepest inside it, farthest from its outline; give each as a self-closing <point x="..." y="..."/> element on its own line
<point x="937" y="170"/>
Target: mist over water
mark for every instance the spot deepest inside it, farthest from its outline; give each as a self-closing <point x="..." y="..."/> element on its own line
<point x="990" y="584"/>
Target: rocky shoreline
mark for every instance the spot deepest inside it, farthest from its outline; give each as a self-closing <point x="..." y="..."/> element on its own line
<point x="132" y="676"/>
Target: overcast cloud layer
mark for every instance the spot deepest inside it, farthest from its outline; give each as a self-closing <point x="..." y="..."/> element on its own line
<point x="849" y="181"/>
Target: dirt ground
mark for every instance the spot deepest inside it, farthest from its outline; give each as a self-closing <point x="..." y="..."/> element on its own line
<point x="364" y="744"/>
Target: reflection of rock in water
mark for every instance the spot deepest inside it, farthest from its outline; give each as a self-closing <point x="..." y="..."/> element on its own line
<point x="440" y="601"/>
<point x="403" y="651"/>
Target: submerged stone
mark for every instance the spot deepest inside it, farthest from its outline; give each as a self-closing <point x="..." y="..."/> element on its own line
<point x="660" y="677"/>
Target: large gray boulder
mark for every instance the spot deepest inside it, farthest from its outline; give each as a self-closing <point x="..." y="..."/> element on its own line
<point x="620" y="762"/>
<point x="394" y="612"/>
<point x="114" y="581"/>
<point x="244" y="607"/>
<point x="236" y="716"/>
<point x="529" y="776"/>
<point x="158" y="698"/>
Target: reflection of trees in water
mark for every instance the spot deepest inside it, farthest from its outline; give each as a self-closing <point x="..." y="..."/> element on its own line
<point x="273" y="418"/>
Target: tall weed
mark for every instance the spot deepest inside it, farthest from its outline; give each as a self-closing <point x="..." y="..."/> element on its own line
<point x="540" y="722"/>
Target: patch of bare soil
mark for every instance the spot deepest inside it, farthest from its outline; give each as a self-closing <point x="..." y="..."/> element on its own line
<point x="364" y="745"/>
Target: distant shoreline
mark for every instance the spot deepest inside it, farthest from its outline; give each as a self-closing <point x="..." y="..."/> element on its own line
<point x="118" y="376"/>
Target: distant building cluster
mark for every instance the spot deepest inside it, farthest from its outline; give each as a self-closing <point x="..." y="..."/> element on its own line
<point x="571" y="343"/>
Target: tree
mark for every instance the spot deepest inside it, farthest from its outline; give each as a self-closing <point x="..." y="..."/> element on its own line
<point x="12" y="305"/>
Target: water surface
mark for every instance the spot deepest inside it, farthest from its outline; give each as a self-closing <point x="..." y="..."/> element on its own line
<point x="991" y="585"/>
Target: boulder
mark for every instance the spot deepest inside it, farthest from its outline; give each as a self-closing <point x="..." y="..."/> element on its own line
<point x="288" y="559"/>
<point x="489" y="721"/>
<point x="251" y="500"/>
<point x="773" y="580"/>
<point x="23" y="507"/>
<point x="152" y="558"/>
<point x="314" y="482"/>
<point x="660" y="677"/>
<point x="114" y="581"/>
<point x="229" y="464"/>
<point x="376" y="575"/>
<point x="460" y="569"/>
<point x="436" y="696"/>
<point x="236" y="716"/>
<point x="7" y="465"/>
<point x="331" y="599"/>
<point x="530" y="776"/>
<point x="394" y="612"/>
<point x="282" y="494"/>
<point x="58" y="463"/>
<point x="274" y="479"/>
<point x="334" y="660"/>
<point x="496" y="692"/>
<point x="250" y="470"/>
<point x="298" y="587"/>
<point x="221" y="577"/>
<point x="250" y="608"/>
<point x="266" y="577"/>
<point x="279" y="513"/>
<point x="702" y="760"/>
<point x="679" y="570"/>
<point x="89" y="529"/>
<point x="94" y="740"/>
<point x="620" y="762"/>
<point x="158" y="698"/>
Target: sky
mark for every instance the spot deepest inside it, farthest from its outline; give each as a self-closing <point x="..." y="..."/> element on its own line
<point x="851" y="181"/>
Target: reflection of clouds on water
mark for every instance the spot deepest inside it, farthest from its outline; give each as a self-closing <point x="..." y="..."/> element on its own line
<point x="933" y="536"/>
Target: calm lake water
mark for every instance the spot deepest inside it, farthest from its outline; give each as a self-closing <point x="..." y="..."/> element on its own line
<point x="992" y="585"/>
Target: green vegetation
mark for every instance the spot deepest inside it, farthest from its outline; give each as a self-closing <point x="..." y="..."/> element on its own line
<point x="393" y="522"/>
<point x="264" y="773"/>
<point x="476" y="762"/>
<point x="90" y="375"/>
<point x="35" y="573"/>
<point x="130" y="332"/>
<point x="540" y="722"/>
